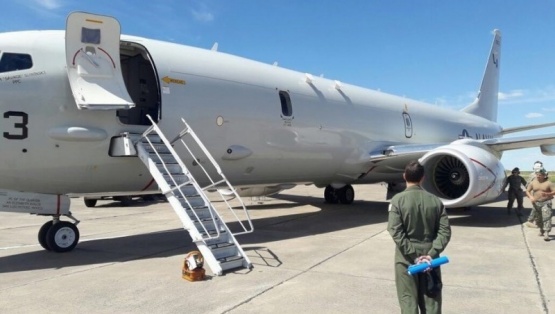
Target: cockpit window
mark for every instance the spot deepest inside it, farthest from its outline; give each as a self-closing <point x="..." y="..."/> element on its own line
<point x="15" y="61"/>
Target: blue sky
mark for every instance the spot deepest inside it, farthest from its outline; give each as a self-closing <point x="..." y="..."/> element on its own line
<point x="433" y="51"/>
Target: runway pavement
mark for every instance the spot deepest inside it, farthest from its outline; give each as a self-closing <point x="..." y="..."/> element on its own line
<point x="308" y="256"/>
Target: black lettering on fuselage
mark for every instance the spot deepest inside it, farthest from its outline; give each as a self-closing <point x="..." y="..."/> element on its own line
<point x="21" y="132"/>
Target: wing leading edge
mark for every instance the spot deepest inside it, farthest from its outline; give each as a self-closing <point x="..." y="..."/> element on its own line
<point x="398" y="155"/>
<point x="545" y="142"/>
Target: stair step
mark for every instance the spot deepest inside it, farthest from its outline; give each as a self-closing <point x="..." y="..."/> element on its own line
<point x="173" y="168"/>
<point x="166" y="158"/>
<point x="231" y="262"/>
<point x="201" y="212"/>
<point x="189" y="191"/>
<point x="178" y="178"/>
<point x="212" y="233"/>
<point x="154" y="138"/>
<point x="219" y="245"/>
<point x="208" y="224"/>
<point x="206" y="220"/>
<point x="158" y="147"/>
<point x="220" y="241"/>
<point x="225" y="252"/>
<point x="194" y="201"/>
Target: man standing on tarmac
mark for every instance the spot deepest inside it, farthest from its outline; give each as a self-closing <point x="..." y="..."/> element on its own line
<point x="541" y="192"/>
<point x="515" y="181"/>
<point x="530" y="222"/>
<point x="420" y="229"/>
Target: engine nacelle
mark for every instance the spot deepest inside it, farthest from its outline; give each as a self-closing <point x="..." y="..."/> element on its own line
<point x="463" y="173"/>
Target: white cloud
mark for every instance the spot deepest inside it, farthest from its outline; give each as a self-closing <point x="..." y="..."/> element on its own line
<point x="512" y="97"/>
<point x="456" y="102"/>
<point x="48" y="4"/>
<point x="202" y="15"/>
<point x="203" y="11"/>
<point x="43" y="9"/>
<point x="533" y="115"/>
<point x="525" y="96"/>
<point x="517" y="93"/>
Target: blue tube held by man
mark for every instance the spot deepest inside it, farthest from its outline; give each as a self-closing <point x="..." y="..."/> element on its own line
<point x="418" y="268"/>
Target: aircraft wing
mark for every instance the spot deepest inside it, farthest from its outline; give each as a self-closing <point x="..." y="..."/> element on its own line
<point x="545" y="142"/>
<point x="410" y="150"/>
<point x="526" y="128"/>
<point x="415" y="151"/>
<point x="395" y="157"/>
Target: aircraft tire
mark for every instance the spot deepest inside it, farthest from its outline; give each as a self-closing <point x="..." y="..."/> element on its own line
<point x="330" y="195"/>
<point x="148" y="198"/>
<point x="42" y="234"/>
<point x="90" y="202"/>
<point x="346" y="194"/>
<point x="62" y="237"/>
<point x="124" y="200"/>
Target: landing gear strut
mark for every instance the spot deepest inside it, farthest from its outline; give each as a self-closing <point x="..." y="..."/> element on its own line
<point x="344" y="195"/>
<point x="59" y="236"/>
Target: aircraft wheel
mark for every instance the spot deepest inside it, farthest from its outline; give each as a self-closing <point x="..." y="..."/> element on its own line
<point x="124" y="200"/>
<point x="346" y="194"/>
<point x="90" y="202"/>
<point x="42" y="234"/>
<point x="62" y="237"/>
<point x="330" y="195"/>
<point x="148" y="198"/>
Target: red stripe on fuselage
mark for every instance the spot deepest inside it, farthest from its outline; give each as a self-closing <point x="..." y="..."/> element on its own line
<point x="148" y="185"/>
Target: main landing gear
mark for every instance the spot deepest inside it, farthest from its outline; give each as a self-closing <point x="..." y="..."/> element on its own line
<point x="59" y="236"/>
<point x="344" y="195"/>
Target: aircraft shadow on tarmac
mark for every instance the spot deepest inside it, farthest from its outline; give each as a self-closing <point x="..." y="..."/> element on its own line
<point x="478" y="216"/>
<point x="177" y="241"/>
<point x="330" y="218"/>
<point x="486" y="216"/>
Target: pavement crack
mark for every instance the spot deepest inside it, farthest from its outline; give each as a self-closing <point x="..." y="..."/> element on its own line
<point x="300" y="273"/>
<point x="534" y="269"/>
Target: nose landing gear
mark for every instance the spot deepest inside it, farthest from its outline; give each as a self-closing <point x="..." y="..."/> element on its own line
<point x="59" y="236"/>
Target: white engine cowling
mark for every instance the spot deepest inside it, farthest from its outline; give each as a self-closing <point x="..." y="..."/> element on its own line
<point x="463" y="173"/>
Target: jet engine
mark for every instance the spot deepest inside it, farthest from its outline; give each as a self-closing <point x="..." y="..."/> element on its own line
<point x="463" y="173"/>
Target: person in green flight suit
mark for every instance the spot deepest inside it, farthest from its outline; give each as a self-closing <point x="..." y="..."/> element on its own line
<point x="420" y="229"/>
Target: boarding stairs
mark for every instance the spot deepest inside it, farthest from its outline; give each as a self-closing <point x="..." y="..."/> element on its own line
<point x="194" y="204"/>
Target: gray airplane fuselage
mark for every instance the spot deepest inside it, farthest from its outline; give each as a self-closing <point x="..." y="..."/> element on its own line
<point x="324" y="133"/>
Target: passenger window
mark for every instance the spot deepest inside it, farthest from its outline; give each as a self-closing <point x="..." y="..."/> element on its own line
<point x="286" y="108"/>
<point x="15" y="62"/>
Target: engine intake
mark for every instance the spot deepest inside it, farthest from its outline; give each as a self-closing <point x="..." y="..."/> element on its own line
<point x="463" y="174"/>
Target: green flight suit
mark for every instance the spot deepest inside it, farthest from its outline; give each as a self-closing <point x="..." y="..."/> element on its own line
<point x="419" y="226"/>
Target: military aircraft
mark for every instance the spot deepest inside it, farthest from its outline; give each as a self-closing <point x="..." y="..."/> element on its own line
<point x="71" y="98"/>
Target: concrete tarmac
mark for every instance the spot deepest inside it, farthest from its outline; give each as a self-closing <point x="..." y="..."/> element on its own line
<point x="308" y="257"/>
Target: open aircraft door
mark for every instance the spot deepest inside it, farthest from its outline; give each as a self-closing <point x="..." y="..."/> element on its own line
<point x="93" y="62"/>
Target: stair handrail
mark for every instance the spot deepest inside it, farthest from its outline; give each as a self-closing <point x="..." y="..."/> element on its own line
<point x="159" y="133"/>
<point x="191" y="132"/>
